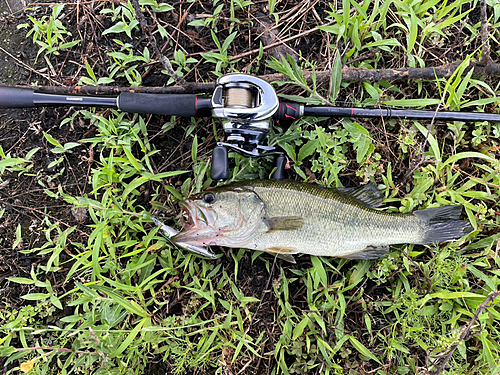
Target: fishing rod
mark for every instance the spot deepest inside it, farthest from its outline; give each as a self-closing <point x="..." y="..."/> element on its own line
<point x="245" y="104"/>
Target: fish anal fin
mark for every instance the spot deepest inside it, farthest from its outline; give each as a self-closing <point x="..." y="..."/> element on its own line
<point x="284" y="223"/>
<point x="370" y="252"/>
<point x="284" y="253"/>
<point x="368" y="195"/>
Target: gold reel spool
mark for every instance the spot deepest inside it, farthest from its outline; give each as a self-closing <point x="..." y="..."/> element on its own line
<point x="238" y="97"/>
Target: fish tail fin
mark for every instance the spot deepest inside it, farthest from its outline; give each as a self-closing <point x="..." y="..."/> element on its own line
<point x="442" y="224"/>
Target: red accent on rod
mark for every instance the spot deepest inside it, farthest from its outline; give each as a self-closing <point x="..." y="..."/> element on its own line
<point x="288" y="116"/>
<point x="196" y="106"/>
<point x="289" y="106"/>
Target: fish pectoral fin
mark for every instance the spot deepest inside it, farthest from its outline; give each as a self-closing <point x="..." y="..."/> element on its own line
<point x="284" y="223"/>
<point x="284" y="253"/>
<point x="370" y="252"/>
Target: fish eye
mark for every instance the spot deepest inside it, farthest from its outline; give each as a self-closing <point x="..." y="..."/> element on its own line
<point x="209" y="198"/>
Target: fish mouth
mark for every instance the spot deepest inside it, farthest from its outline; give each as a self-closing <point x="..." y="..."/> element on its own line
<point x="199" y="225"/>
<point x="197" y="216"/>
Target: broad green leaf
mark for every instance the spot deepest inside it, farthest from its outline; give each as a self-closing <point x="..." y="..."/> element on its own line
<point x="489" y="350"/>
<point x="363" y="349"/>
<point x="465" y="155"/>
<point x="412" y="102"/>
<point x="358" y="273"/>
<point x="194" y="149"/>
<point x="384" y="42"/>
<point x="359" y="9"/>
<point x="31" y="153"/>
<point x="71" y="318"/>
<point x="320" y="270"/>
<point x="69" y="44"/>
<point x="413" y="31"/>
<point x="346" y="12"/>
<point x="116" y="28"/>
<point x="228" y="41"/>
<point x="174" y="192"/>
<point x="11" y="162"/>
<point x="481" y="102"/>
<point x="21" y="280"/>
<point x="90" y="72"/>
<point x="7" y="351"/>
<point x="325" y="349"/>
<point x="131" y="336"/>
<point x="308" y="149"/>
<point x="134" y="185"/>
<point x="432" y="140"/>
<point x="35" y="296"/>
<point x="355" y="35"/>
<point x="336" y="78"/>
<point x="52" y="140"/>
<point x="132" y="159"/>
<point x="454" y="295"/>
<point x="354" y="127"/>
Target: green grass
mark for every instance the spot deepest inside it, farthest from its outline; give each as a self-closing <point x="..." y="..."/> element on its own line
<point x="129" y="300"/>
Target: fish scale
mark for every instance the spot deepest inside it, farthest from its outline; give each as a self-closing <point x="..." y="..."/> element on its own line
<point x="334" y="223"/>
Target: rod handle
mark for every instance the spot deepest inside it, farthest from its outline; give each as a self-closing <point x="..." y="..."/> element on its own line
<point x="15" y="97"/>
<point x="186" y="105"/>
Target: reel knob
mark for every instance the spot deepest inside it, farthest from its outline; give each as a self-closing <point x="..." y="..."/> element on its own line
<point x="220" y="165"/>
<point x="279" y="173"/>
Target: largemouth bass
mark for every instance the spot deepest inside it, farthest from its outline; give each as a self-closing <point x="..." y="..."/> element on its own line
<point x="285" y="217"/>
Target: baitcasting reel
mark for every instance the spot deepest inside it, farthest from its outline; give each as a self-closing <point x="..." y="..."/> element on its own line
<point x="246" y="105"/>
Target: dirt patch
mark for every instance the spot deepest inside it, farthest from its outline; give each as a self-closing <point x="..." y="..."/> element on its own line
<point x="11" y="7"/>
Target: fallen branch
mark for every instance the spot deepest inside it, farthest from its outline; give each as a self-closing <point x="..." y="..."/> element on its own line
<point x="348" y="74"/>
<point x="374" y="75"/>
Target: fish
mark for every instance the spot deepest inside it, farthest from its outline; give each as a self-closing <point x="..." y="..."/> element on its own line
<point x="287" y="217"/>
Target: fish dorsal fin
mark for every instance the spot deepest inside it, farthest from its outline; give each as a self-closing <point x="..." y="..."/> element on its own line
<point x="370" y="252"/>
<point x="284" y="253"/>
<point x="368" y="195"/>
<point x="284" y="223"/>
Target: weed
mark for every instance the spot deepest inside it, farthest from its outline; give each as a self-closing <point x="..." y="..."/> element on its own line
<point x="221" y="58"/>
<point x="124" y="12"/>
<point x="21" y="165"/>
<point x="49" y="32"/>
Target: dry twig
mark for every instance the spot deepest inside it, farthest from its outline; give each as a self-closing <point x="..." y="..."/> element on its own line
<point x="446" y="357"/>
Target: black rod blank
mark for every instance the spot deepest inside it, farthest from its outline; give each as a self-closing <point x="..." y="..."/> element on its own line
<point x="388" y="113"/>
